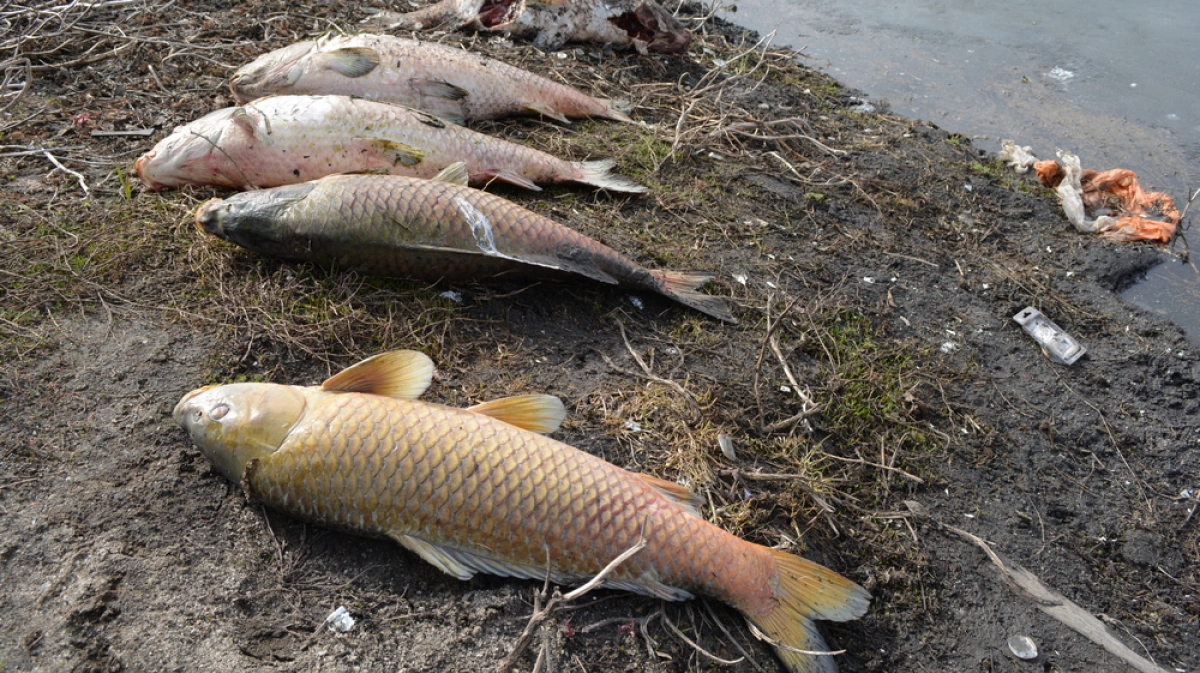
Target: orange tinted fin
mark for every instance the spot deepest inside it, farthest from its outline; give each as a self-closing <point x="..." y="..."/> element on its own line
<point x="536" y="413"/>
<point x="805" y="591"/>
<point x="402" y="374"/>
<point x="681" y="495"/>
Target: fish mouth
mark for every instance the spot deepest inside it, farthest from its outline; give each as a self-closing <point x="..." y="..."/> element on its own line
<point x="140" y="167"/>
<point x="208" y="217"/>
<point x="180" y="411"/>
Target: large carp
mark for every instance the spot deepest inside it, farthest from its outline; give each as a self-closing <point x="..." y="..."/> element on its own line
<point x="644" y="24"/>
<point x="390" y="225"/>
<point x="479" y="490"/>
<point x="282" y="140"/>
<point x="447" y="81"/>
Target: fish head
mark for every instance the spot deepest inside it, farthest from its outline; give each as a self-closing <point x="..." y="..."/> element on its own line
<point x="654" y="29"/>
<point x="255" y="220"/>
<point x="273" y="72"/>
<point x="190" y="155"/>
<point x="239" y="422"/>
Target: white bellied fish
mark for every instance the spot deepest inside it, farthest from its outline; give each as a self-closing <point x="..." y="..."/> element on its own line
<point x="282" y="140"/>
<point x="480" y="490"/>
<point x="430" y="229"/>
<point x="450" y="82"/>
<point x="644" y="24"/>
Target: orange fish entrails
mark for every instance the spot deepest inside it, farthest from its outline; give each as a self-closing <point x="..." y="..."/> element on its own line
<point x="480" y="490"/>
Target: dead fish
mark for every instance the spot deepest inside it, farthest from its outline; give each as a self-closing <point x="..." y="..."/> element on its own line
<point x="391" y="225"/>
<point x="645" y="24"/>
<point x="282" y="140"/>
<point x="452" y="83"/>
<point x="483" y="490"/>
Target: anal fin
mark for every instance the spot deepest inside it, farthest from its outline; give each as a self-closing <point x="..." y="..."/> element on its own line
<point x="680" y="495"/>
<point x="546" y="110"/>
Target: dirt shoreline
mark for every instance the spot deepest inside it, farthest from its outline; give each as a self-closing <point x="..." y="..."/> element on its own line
<point x="875" y="263"/>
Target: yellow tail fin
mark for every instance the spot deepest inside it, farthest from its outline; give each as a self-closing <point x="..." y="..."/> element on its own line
<point x="805" y="591"/>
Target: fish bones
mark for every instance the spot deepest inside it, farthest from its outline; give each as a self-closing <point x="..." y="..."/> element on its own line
<point x="483" y="490"/>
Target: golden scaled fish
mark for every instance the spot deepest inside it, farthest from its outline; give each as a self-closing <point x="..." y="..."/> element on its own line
<point x="450" y="82"/>
<point x="483" y="490"/>
<point x="282" y="140"/>
<point x="644" y="24"/>
<point x="390" y="225"/>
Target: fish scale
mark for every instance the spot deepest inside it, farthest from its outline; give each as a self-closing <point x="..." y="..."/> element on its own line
<point x="468" y="481"/>
<point x="431" y="230"/>
<point x="480" y="490"/>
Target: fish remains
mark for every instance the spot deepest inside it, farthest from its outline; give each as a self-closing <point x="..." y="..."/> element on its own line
<point x="479" y="490"/>
<point x="282" y="140"/>
<point x="391" y="225"/>
<point x="447" y="81"/>
<point x="645" y="24"/>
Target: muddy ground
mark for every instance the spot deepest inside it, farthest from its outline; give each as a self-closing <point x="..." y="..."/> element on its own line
<point x="875" y="263"/>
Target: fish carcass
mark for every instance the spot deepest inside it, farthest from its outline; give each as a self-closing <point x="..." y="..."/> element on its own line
<point x="391" y="225"/>
<point x="450" y="82"/>
<point x="282" y="140"/>
<point x="480" y="490"/>
<point x="644" y="24"/>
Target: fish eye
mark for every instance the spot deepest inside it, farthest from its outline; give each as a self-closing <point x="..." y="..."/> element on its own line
<point x="218" y="412"/>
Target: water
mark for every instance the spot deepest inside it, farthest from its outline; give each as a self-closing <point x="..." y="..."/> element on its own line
<point x="1116" y="83"/>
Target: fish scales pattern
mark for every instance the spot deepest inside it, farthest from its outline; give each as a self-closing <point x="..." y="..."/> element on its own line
<point x="362" y="220"/>
<point x="454" y="478"/>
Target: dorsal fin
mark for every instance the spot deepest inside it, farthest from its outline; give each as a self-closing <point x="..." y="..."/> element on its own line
<point x="536" y="413"/>
<point x="681" y="495"/>
<point x="402" y="374"/>
<point x="455" y="174"/>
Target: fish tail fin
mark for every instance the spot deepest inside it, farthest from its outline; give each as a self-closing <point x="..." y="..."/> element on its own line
<point x="682" y="287"/>
<point x="598" y="174"/>
<point x="805" y="591"/>
<point x="615" y="110"/>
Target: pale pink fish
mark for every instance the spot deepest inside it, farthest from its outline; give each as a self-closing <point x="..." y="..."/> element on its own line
<point x="644" y="24"/>
<point x="283" y="140"/>
<point x="447" y="81"/>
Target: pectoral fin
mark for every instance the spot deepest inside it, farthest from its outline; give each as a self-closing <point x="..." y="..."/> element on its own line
<point x="536" y="413"/>
<point x="350" y="61"/>
<point x="400" y="374"/>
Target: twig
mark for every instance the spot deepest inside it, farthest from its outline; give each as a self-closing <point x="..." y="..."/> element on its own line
<point x="721" y="625"/>
<point x="705" y="653"/>
<point x="86" y="192"/>
<point x="541" y="615"/>
<point x="693" y="405"/>
<point x="890" y="468"/>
